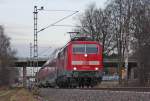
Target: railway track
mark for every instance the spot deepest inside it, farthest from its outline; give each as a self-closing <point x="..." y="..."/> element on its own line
<point x="96" y="94"/>
<point x="136" y="89"/>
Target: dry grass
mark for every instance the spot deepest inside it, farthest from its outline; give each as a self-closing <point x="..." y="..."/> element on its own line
<point x="16" y="95"/>
<point x="22" y="95"/>
<point x="6" y="95"/>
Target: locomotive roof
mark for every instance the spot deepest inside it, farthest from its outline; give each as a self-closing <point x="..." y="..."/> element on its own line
<point x="78" y="39"/>
<point x="82" y="39"/>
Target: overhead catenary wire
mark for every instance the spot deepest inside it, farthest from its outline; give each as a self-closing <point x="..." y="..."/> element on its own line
<point x="67" y="26"/>
<point x="58" y="21"/>
<point x="60" y="10"/>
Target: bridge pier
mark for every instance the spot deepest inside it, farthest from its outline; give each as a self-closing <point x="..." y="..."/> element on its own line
<point x="24" y="76"/>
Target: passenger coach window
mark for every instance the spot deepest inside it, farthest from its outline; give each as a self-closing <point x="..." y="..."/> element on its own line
<point x="85" y="48"/>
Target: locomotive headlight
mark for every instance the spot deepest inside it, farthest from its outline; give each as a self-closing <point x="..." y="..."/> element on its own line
<point x="96" y="68"/>
<point x="85" y="55"/>
<point x="74" y="68"/>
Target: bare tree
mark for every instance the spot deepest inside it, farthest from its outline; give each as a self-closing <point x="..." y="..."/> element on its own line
<point x="141" y="23"/>
<point x="95" y="22"/>
<point x="131" y="24"/>
<point x="121" y="22"/>
<point x="6" y="59"/>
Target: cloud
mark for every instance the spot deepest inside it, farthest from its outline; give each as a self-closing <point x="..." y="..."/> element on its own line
<point x="2" y="1"/>
<point x="23" y="50"/>
<point x="18" y="31"/>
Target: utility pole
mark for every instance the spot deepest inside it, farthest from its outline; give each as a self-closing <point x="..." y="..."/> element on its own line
<point x="31" y="59"/>
<point x="35" y="46"/>
<point x="24" y="76"/>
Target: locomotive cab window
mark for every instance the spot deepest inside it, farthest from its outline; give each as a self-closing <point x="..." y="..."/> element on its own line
<point x="79" y="48"/>
<point x="91" y="48"/>
<point x="85" y="48"/>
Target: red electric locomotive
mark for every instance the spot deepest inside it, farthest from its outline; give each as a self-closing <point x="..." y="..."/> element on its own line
<point x="79" y="63"/>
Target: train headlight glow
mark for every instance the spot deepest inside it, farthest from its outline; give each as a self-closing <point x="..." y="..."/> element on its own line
<point x="74" y="68"/>
<point x="96" y="68"/>
<point x="85" y="55"/>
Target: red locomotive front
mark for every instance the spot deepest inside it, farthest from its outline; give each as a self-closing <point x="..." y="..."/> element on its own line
<point x="85" y="56"/>
<point x="80" y="63"/>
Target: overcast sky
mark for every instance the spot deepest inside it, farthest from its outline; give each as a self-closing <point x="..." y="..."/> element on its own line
<point x="17" y="18"/>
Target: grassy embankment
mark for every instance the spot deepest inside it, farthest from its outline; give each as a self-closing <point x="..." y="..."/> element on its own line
<point x="16" y="94"/>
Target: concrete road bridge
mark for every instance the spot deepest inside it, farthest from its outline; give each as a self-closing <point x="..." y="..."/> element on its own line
<point x="25" y="62"/>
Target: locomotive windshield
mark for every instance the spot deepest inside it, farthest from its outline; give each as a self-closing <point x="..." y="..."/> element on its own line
<point x="91" y="48"/>
<point x="85" y="48"/>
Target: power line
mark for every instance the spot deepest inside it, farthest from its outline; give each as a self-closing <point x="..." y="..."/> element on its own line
<point x="19" y="39"/>
<point x="67" y="25"/>
<point x="58" y="21"/>
<point x="60" y="10"/>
